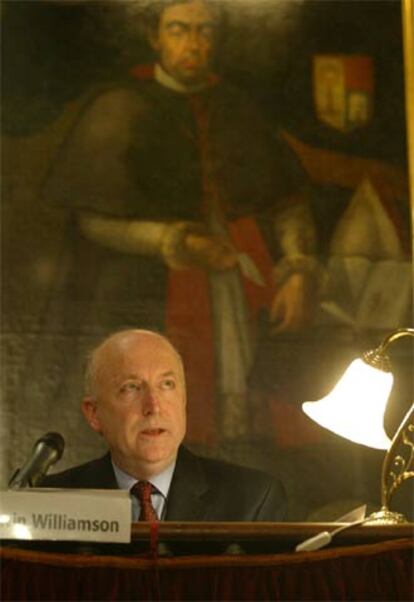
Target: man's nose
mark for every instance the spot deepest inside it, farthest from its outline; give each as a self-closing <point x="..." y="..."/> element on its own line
<point x="150" y="404"/>
<point x="194" y="39"/>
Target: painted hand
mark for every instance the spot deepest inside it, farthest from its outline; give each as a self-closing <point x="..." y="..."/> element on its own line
<point x="209" y="252"/>
<point x="293" y="304"/>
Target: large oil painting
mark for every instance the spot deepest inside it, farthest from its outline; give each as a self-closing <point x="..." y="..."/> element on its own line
<point x="257" y="213"/>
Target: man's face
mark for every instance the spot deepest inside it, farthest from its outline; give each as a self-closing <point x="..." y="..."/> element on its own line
<point x="139" y="405"/>
<point x="185" y="41"/>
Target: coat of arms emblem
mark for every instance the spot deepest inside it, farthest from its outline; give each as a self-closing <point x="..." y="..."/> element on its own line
<point x="343" y="89"/>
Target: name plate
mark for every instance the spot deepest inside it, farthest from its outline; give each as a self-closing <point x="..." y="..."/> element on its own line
<point x="100" y="515"/>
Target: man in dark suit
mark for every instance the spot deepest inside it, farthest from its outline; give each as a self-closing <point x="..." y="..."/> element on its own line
<point x="136" y="399"/>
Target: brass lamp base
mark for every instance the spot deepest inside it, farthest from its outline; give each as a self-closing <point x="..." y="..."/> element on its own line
<point x="385" y="517"/>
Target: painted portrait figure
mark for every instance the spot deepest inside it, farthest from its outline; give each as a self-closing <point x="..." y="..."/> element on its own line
<point x="190" y="213"/>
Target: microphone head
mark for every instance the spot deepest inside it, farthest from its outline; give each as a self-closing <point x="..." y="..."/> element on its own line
<point x="46" y="451"/>
<point x="55" y="441"/>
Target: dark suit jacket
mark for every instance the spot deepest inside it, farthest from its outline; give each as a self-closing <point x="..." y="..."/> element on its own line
<point x="201" y="489"/>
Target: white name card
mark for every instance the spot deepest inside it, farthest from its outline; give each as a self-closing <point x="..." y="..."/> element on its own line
<point x="99" y="515"/>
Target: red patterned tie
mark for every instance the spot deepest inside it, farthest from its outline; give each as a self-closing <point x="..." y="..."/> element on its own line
<point x="142" y="491"/>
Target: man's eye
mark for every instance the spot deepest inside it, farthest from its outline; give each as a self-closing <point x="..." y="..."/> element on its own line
<point x="177" y="30"/>
<point x="207" y="31"/>
<point x="130" y="387"/>
<point x="168" y="384"/>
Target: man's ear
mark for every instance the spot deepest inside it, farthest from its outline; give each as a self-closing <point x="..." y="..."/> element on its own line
<point x="153" y="40"/>
<point x="90" y="412"/>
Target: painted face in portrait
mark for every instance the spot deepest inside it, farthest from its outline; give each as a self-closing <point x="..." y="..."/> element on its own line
<point x="185" y="41"/>
<point x="138" y="401"/>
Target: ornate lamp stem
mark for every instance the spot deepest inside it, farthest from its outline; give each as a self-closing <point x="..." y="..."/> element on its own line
<point x="398" y="465"/>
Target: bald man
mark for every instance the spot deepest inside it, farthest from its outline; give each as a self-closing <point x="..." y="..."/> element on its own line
<point x="136" y="399"/>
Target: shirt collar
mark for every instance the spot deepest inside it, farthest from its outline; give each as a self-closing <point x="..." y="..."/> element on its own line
<point x="165" y="79"/>
<point x="161" y="481"/>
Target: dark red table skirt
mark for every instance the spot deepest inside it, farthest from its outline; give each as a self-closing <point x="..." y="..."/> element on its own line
<point x="368" y="572"/>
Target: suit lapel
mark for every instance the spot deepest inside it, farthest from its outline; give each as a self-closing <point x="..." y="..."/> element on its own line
<point x="101" y="474"/>
<point x="186" y="498"/>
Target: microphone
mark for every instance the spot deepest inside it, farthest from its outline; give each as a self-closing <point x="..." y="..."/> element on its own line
<point x="46" y="451"/>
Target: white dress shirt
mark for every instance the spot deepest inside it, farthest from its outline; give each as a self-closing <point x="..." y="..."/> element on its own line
<point x="160" y="481"/>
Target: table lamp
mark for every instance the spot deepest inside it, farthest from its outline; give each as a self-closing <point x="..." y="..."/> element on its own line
<point x="355" y="409"/>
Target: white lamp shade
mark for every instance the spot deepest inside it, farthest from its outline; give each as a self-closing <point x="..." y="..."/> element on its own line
<point x="355" y="408"/>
